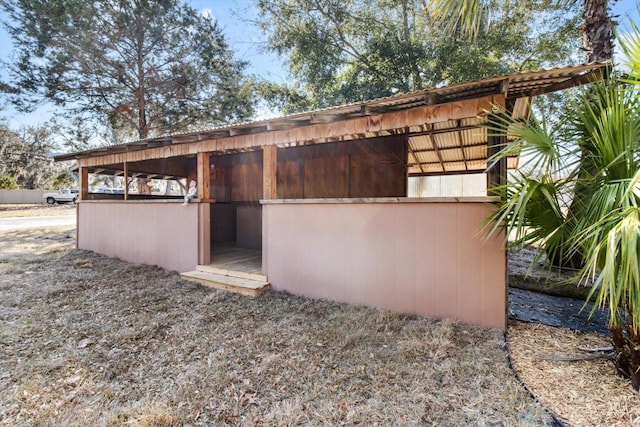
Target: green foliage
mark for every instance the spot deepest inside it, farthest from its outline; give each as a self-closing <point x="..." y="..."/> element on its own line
<point x="8" y="182"/>
<point x="453" y="15"/>
<point x="348" y="51"/>
<point x="581" y="197"/>
<point x="147" y="66"/>
<point x="472" y="18"/>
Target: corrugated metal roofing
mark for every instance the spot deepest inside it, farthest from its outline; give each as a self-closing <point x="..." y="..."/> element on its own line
<point x="444" y="147"/>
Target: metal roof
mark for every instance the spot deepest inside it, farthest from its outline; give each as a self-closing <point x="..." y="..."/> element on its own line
<point x="446" y="147"/>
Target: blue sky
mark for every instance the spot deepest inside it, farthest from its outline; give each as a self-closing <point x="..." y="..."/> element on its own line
<point x="234" y="17"/>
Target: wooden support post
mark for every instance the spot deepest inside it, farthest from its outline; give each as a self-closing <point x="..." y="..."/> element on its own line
<point x="204" y="233"/>
<point x="126" y="180"/>
<point x="496" y="174"/>
<point x="269" y="172"/>
<point x="203" y="179"/>
<point x="84" y="183"/>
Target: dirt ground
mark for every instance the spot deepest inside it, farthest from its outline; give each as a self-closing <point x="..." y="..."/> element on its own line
<point x="39" y="209"/>
<point x="90" y="340"/>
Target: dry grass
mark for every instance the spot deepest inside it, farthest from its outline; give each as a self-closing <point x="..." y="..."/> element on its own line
<point x="89" y="340"/>
<point x="40" y="209"/>
<point x="581" y="393"/>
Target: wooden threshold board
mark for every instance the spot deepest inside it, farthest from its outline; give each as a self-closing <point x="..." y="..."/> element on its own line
<point x="242" y="285"/>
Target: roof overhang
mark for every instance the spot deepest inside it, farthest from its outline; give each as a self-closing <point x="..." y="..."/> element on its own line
<point x="449" y="146"/>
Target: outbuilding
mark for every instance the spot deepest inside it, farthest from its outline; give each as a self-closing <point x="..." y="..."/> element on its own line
<point x="330" y="203"/>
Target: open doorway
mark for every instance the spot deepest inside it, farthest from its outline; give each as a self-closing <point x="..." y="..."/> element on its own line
<point x="236" y="214"/>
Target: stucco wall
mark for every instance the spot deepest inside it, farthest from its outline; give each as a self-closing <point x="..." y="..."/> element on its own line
<point x="418" y="257"/>
<point x="156" y="233"/>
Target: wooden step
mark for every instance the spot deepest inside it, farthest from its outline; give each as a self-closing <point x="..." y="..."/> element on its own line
<point x="232" y="273"/>
<point x="239" y="285"/>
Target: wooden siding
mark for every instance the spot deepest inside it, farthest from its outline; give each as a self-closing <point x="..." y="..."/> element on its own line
<point x="417" y="257"/>
<point x="345" y="130"/>
<point x="237" y="177"/>
<point x="366" y="168"/>
<point x="249" y="226"/>
<point x="223" y="223"/>
<point x="237" y="187"/>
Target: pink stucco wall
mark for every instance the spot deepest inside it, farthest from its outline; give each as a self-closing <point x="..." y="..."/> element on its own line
<point x="162" y="233"/>
<point x="416" y="256"/>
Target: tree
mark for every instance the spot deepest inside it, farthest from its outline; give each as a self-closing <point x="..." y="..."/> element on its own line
<point x="475" y="16"/>
<point x="594" y="150"/>
<point x="148" y="66"/>
<point x="8" y="182"/>
<point x="25" y="156"/>
<point x="349" y="51"/>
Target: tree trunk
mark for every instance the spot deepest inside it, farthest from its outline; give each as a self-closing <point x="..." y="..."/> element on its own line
<point x="626" y="346"/>
<point x="143" y="128"/>
<point x="597" y="31"/>
<point x="598" y="39"/>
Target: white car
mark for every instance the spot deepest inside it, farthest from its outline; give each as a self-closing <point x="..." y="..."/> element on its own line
<point x="65" y="195"/>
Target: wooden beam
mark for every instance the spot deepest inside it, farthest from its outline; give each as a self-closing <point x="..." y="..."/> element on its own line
<point x="203" y="180"/>
<point x="461" y="145"/>
<point x="367" y="110"/>
<point x="246" y="130"/>
<point x="431" y="131"/>
<point x="269" y="172"/>
<point x="460" y="172"/>
<point x="126" y="180"/>
<point x="415" y="157"/>
<point x="435" y="148"/>
<point x="204" y="233"/>
<point x="475" y="144"/>
<point x="84" y="183"/>
<point x="589" y="77"/>
<point x="432" y="99"/>
<point x="496" y="171"/>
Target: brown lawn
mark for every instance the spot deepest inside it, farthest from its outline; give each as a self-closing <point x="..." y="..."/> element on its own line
<point x="89" y="340"/>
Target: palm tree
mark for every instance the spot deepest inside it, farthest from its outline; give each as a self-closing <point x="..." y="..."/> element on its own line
<point x="471" y="16"/>
<point x="595" y="146"/>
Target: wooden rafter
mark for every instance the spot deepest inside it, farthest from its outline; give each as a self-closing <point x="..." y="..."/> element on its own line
<point x="432" y="140"/>
<point x="475" y="144"/>
<point x="461" y="145"/>
<point x="415" y="157"/>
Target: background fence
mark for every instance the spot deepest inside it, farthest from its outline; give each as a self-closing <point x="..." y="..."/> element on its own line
<point x="22" y="196"/>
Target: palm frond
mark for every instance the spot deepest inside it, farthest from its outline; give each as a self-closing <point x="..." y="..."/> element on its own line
<point x="630" y="44"/>
<point x="612" y="260"/>
<point x="468" y="16"/>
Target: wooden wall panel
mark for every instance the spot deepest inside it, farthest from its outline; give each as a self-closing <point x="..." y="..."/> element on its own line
<point x="377" y="175"/>
<point x="221" y="183"/>
<point x="290" y="179"/>
<point x="246" y="177"/>
<point x="249" y="226"/>
<point x="326" y="177"/>
<point x="367" y="168"/>
<point x="223" y="223"/>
